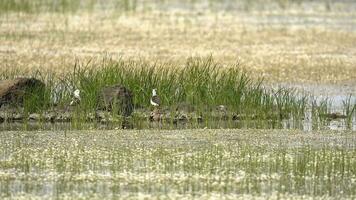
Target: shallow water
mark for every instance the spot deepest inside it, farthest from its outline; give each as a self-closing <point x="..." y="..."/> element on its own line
<point x="201" y="163"/>
<point x="307" y="124"/>
<point x="337" y="15"/>
<point x="212" y="159"/>
<point x="342" y="23"/>
<point x="175" y="164"/>
<point x="335" y="92"/>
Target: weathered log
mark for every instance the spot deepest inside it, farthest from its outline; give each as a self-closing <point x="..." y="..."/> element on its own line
<point x="14" y="91"/>
<point x="116" y="98"/>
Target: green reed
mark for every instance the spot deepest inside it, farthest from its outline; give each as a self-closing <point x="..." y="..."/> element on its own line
<point x="349" y="107"/>
<point x="196" y="88"/>
<point x="201" y="84"/>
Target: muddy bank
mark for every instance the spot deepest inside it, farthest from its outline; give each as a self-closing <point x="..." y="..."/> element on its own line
<point x="71" y="114"/>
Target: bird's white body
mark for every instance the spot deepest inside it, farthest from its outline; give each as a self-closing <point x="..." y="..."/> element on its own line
<point x="77" y="94"/>
<point x="76" y="97"/>
<point x="155" y="101"/>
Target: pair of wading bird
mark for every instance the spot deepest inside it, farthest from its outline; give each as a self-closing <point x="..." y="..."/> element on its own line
<point x="155" y="100"/>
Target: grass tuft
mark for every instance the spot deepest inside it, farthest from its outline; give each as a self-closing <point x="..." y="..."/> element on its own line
<point x="201" y="83"/>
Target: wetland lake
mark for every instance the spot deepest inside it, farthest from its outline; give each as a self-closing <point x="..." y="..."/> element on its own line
<point x="258" y="99"/>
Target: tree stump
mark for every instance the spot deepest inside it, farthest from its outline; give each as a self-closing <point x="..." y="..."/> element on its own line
<point x="116" y="98"/>
<point x="15" y="91"/>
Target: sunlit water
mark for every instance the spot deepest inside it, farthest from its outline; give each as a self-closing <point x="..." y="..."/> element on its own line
<point x="190" y="164"/>
<point x="307" y="124"/>
<point x="175" y="164"/>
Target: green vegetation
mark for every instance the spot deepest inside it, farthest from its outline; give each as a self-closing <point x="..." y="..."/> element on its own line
<point x="194" y="90"/>
<point x="349" y="110"/>
<point x="201" y="84"/>
<point x="227" y="155"/>
<point x="30" y="6"/>
<point x="33" y="6"/>
<point x="176" y="164"/>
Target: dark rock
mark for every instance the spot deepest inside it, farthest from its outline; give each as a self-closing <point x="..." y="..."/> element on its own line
<point x="236" y="117"/>
<point x="13" y="92"/>
<point x="180" y="117"/>
<point x="116" y="98"/>
<point x="50" y="117"/>
<point x="34" y="117"/>
<point x="63" y="117"/>
<point x="127" y="125"/>
<point x="11" y="117"/>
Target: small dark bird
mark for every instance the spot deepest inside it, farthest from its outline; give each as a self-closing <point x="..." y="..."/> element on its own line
<point x="155" y="100"/>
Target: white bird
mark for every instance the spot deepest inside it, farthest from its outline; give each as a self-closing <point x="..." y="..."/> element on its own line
<point x="76" y="97"/>
<point x="155" y="100"/>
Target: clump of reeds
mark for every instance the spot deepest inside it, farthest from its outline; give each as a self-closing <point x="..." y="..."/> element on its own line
<point x="349" y="110"/>
<point x="201" y="83"/>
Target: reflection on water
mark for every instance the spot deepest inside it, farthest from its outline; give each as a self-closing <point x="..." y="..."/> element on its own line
<point x="336" y="100"/>
<point x="307" y="124"/>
